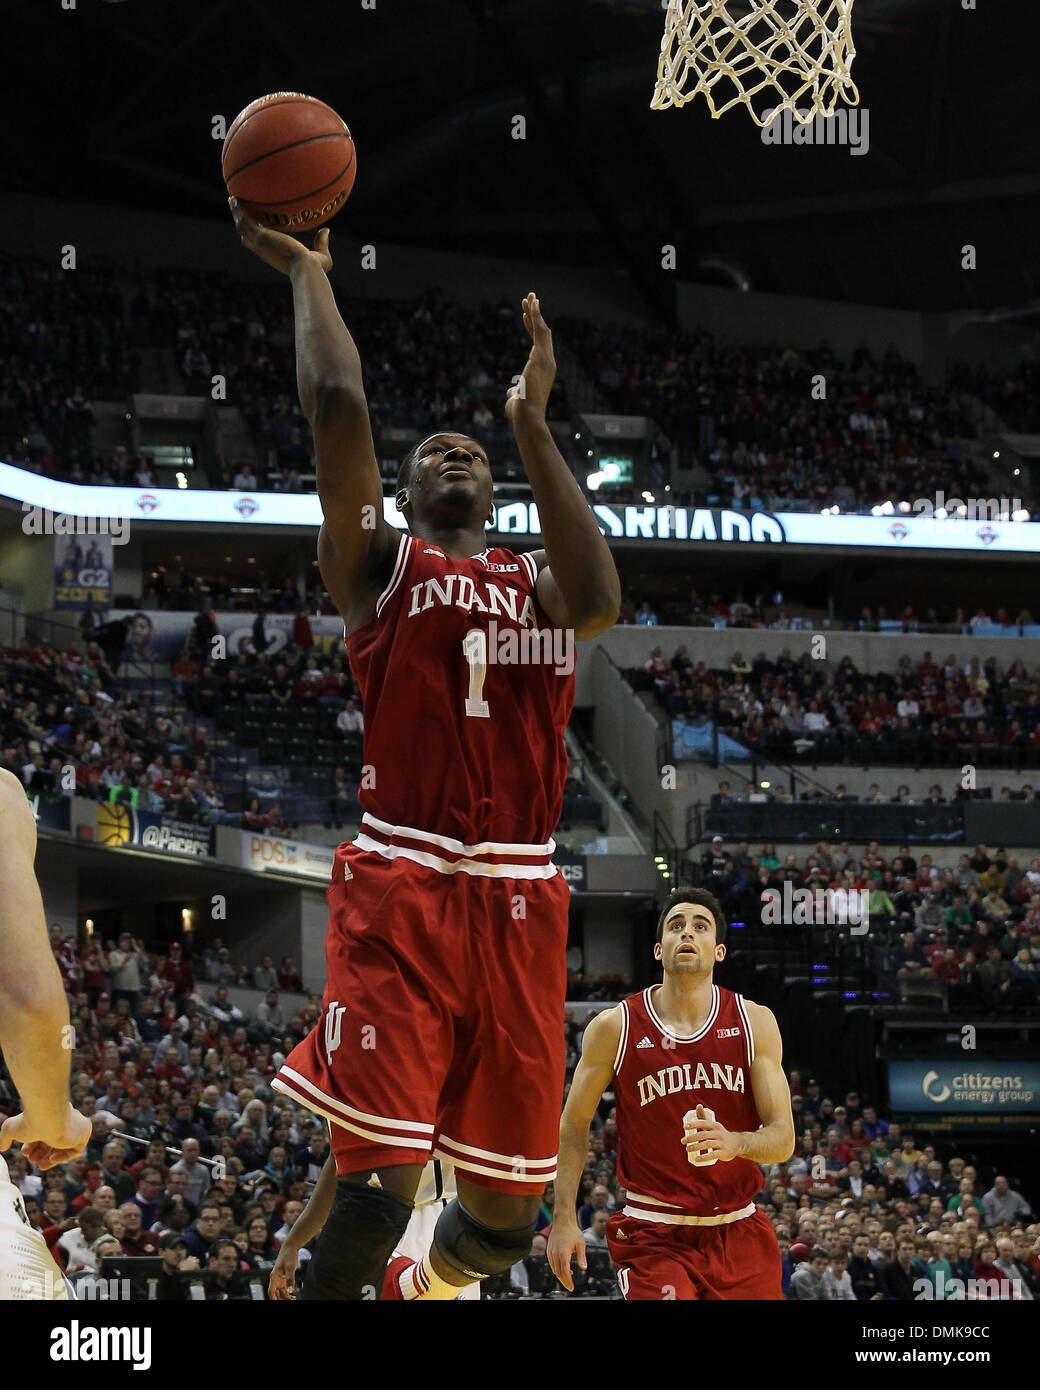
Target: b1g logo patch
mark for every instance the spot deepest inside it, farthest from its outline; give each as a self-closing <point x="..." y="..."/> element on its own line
<point x="727" y="1032"/>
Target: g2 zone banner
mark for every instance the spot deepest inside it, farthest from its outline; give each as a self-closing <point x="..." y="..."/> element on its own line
<point x="969" y="1086"/>
<point x="689" y="525"/>
<point x="82" y="571"/>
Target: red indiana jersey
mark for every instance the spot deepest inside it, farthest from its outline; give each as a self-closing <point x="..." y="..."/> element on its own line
<point x="658" y="1077"/>
<point x="467" y="690"/>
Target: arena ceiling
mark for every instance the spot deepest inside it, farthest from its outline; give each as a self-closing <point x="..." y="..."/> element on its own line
<point x="113" y="102"/>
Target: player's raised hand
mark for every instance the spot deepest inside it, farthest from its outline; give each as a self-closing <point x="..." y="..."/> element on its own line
<point x="47" y="1145"/>
<point x="278" y="249"/>
<point x="565" y="1243"/>
<point x="530" y="395"/>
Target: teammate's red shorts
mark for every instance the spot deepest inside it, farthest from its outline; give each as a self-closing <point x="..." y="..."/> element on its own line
<point x="659" y="1262"/>
<point x="441" y="1032"/>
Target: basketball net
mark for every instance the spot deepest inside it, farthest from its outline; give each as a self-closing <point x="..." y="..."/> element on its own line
<point x="769" y="55"/>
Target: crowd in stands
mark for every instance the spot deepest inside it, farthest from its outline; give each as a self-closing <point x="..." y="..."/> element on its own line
<point x="866" y="1210"/>
<point x="971" y="925"/>
<point x="745" y="418"/>
<point x="748" y="418"/>
<point x="924" y="713"/>
<point x="63" y="343"/>
<point x="63" y="712"/>
<point x="1014" y="394"/>
<point x="780" y="612"/>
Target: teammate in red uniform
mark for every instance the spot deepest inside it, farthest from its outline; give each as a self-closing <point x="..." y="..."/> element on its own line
<point x="701" y="1101"/>
<point x="442" y="1024"/>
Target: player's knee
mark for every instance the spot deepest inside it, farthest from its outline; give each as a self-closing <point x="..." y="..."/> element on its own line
<point x="363" y="1227"/>
<point x="476" y="1250"/>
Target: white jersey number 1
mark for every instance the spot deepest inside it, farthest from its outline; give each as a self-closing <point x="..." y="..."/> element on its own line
<point x="474" y="646"/>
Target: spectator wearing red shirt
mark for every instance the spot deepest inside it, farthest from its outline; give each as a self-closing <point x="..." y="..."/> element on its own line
<point x="176" y="972"/>
<point x="288" y="976"/>
<point x="254" y="819"/>
<point x="136" y="1240"/>
<point x="302" y="635"/>
<point x="155" y="1156"/>
<point x="169" y="1069"/>
<point x="945" y="966"/>
<point x="95" y="965"/>
<point x="240" y="1045"/>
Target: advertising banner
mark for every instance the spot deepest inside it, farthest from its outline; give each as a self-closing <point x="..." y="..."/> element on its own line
<point x="925" y="528"/>
<point x="121" y="825"/>
<point x="82" y="571"/>
<point x="285" y="855"/>
<point x="52" y="811"/>
<point x="572" y="867"/>
<point x="969" y="1086"/>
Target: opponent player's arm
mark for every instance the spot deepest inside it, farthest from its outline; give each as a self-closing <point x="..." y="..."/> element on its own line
<point x="774" y="1141"/>
<point x="34" y="1013"/>
<point x="282" y="1283"/>
<point x="578" y="586"/>
<point x="592" y="1076"/>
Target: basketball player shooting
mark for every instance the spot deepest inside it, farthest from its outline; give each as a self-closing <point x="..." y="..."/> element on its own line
<point x="34" y="1019"/>
<point x="701" y="1101"/>
<point x="442" y="1024"/>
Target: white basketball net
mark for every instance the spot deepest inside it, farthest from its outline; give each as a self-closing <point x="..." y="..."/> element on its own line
<point x="769" y="55"/>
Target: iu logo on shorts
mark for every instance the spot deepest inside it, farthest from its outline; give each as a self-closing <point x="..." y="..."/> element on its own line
<point x="333" y="1024"/>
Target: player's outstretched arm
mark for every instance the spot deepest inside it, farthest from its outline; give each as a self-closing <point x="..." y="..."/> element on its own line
<point x="579" y="586"/>
<point x="591" y="1078"/>
<point x="774" y="1141"/>
<point x="34" y="1013"/>
<point x="282" y="1284"/>
<point x="356" y="544"/>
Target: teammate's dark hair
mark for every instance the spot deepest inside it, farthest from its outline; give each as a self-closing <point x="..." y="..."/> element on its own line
<point x="702" y="898"/>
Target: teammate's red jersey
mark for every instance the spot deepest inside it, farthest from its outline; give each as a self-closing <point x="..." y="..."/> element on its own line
<point x="464" y="709"/>
<point x="658" y="1077"/>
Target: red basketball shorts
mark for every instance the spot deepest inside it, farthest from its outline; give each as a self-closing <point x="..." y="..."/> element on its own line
<point x="657" y="1261"/>
<point x="441" y="1032"/>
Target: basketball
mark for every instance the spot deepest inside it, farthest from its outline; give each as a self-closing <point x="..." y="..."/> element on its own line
<point x="290" y="160"/>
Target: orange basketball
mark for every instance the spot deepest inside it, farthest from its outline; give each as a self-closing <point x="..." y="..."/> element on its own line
<point x="290" y="160"/>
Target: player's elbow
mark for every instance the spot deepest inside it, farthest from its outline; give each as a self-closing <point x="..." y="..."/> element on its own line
<point x="786" y="1144"/>
<point x="33" y="994"/>
<point x="335" y="407"/>
<point x="596" y="616"/>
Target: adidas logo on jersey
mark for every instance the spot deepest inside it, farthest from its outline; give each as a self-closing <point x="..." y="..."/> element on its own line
<point x="427" y="551"/>
<point x="727" y="1032"/>
<point x="644" y="1042"/>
